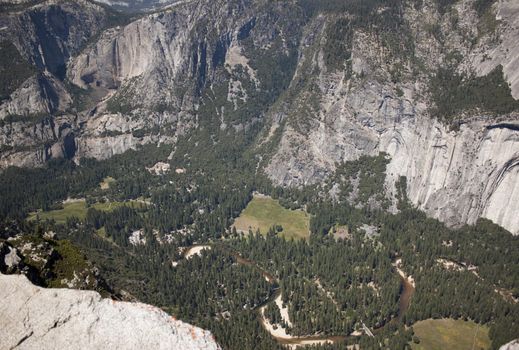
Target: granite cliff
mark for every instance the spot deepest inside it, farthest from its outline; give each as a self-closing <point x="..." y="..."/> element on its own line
<point x="456" y="174"/>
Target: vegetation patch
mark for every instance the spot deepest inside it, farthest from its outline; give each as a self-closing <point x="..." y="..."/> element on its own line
<point x="78" y="209"/>
<point x="14" y="70"/>
<point x="263" y="213"/>
<point x="107" y="183"/>
<point x="454" y="94"/>
<point x="84" y="99"/>
<point x="449" y="334"/>
<point x="337" y="51"/>
<point x="51" y="262"/>
<point x="361" y="180"/>
<point x="70" y="264"/>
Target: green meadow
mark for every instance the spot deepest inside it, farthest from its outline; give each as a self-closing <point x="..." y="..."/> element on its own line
<point x="264" y="212"/>
<point x="77" y="209"/>
<point x="450" y="334"/>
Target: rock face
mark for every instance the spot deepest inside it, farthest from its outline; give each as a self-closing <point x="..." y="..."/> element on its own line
<point x="458" y="176"/>
<point x="38" y="318"/>
<point x="507" y="52"/>
<point x="45" y="39"/>
<point x="454" y="175"/>
<point x="40" y="94"/>
<point x="132" y="84"/>
<point x="9" y="259"/>
<point x="137" y="5"/>
<point x="513" y="345"/>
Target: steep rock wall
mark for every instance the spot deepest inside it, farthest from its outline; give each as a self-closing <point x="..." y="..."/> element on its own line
<point x="49" y="33"/>
<point x="40" y="94"/>
<point x="457" y="176"/>
<point x="454" y="175"/>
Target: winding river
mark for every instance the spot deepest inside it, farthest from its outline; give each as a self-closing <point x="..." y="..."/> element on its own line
<point x="405" y="297"/>
<point x="407" y="291"/>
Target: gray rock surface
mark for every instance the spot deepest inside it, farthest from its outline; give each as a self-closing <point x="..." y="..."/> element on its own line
<point x="45" y="39"/>
<point x="507" y="52"/>
<point x="143" y="78"/>
<point x="513" y="345"/>
<point x="138" y="5"/>
<point x="40" y="94"/>
<point x="456" y="176"/>
<point x="38" y="318"/>
<point x="10" y="260"/>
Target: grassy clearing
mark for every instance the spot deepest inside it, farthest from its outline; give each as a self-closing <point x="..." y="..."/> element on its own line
<point x="107" y="183"/>
<point x="340" y="232"/>
<point x="264" y="212"/>
<point x="102" y="234"/>
<point x="450" y="334"/>
<point x="77" y="209"/>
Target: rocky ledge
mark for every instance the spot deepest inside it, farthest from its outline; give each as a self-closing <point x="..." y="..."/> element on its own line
<point x="39" y="318"/>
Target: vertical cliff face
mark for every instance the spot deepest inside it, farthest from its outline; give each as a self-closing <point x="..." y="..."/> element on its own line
<point x="456" y="174"/>
<point x="144" y="82"/>
<point x="138" y="5"/>
<point x="39" y="318"/>
<point x="175" y="54"/>
<point x="153" y="53"/>
<point x="40" y="94"/>
<point x="157" y="72"/>
<point x="36" y="119"/>
<point x="48" y="34"/>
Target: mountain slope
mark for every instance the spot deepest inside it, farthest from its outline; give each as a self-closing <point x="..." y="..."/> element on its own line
<point x="431" y="83"/>
<point x="381" y="99"/>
